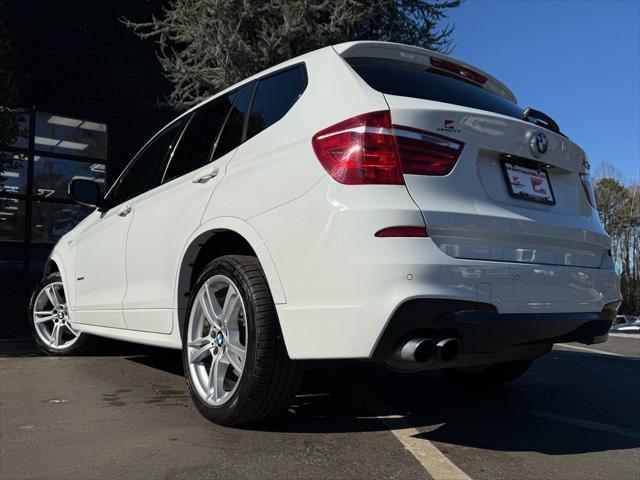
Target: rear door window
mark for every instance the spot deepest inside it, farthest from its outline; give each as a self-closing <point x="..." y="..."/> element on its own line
<point x="275" y="95"/>
<point x="197" y="141"/>
<point x="233" y="129"/>
<point x="411" y="80"/>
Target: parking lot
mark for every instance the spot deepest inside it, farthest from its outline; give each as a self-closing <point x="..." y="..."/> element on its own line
<point x="125" y="413"/>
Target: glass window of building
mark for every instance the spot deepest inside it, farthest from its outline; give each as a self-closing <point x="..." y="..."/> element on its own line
<point x="51" y="220"/>
<point x="70" y="136"/>
<point x="45" y="160"/>
<point x="12" y="219"/>
<point x="13" y="172"/>
<point x="51" y="176"/>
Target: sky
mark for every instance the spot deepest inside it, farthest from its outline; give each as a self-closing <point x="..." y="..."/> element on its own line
<point x="576" y="60"/>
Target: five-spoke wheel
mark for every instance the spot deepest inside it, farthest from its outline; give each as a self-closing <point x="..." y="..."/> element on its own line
<point x="217" y="340"/>
<point x="51" y="323"/>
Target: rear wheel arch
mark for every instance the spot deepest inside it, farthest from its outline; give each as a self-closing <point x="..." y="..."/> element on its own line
<point x="216" y="242"/>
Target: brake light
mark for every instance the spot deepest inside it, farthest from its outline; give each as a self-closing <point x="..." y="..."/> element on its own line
<point x="459" y="70"/>
<point x="585" y="178"/>
<point x="424" y="153"/>
<point x="360" y="150"/>
<point x="368" y="149"/>
<point x="402" y="232"/>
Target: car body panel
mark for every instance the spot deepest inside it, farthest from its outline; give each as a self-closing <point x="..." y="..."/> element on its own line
<point x="100" y="271"/>
<point x="164" y="217"/>
<point x="246" y="231"/>
<point x="343" y="284"/>
<point x="482" y="221"/>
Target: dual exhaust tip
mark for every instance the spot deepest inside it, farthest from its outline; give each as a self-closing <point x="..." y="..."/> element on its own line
<point x="425" y="349"/>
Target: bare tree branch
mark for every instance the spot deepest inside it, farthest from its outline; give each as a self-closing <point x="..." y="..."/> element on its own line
<point x="207" y="45"/>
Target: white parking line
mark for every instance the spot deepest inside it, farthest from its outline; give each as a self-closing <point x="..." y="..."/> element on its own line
<point x="578" y="422"/>
<point x="437" y="465"/>
<point x="593" y="350"/>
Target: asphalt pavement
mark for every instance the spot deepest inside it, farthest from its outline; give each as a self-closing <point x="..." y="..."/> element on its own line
<point x="124" y="412"/>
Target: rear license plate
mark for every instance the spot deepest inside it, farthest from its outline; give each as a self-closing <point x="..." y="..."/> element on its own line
<point x="528" y="183"/>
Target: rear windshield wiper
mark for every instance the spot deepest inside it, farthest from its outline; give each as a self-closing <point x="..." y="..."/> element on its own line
<point x="542" y="119"/>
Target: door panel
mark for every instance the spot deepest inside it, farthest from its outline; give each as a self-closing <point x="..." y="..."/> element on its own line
<point x="101" y="277"/>
<point x="100" y="270"/>
<point x="159" y="320"/>
<point x="166" y="217"/>
<point x="164" y="221"/>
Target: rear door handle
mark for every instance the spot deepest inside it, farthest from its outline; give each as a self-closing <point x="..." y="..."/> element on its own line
<point x="124" y="211"/>
<point x="207" y="177"/>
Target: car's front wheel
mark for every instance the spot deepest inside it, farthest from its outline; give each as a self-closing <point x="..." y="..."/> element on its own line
<point x="235" y="361"/>
<point x="50" y="321"/>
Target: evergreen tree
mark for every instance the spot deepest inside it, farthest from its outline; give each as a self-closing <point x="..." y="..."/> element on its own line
<point x="9" y="121"/>
<point x="207" y="45"/>
<point x="8" y="81"/>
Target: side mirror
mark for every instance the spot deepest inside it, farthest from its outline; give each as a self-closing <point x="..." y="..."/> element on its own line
<point x="85" y="192"/>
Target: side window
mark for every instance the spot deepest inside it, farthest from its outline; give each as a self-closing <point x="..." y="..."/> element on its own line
<point x="194" y="148"/>
<point x="231" y="135"/>
<point x="145" y="171"/>
<point x="275" y="95"/>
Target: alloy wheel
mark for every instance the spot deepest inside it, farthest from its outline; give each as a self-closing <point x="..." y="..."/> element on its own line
<point x="51" y="317"/>
<point x="217" y="340"/>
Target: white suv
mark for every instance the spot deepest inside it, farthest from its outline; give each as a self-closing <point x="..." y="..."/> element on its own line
<point x="366" y="200"/>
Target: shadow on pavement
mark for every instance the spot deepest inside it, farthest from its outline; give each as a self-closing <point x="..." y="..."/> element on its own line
<point x="169" y="361"/>
<point x="572" y="385"/>
<point x="99" y="347"/>
<point x="571" y="388"/>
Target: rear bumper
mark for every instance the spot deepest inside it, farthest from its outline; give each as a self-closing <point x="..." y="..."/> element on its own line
<point x="487" y="336"/>
<point x="343" y="285"/>
<point x="352" y="312"/>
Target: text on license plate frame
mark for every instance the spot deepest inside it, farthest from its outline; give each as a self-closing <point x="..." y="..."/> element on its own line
<point x="522" y="188"/>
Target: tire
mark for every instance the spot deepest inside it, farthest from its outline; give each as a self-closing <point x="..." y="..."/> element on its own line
<point x="70" y="342"/>
<point x="268" y="379"/>
<point x="493" y="375"/>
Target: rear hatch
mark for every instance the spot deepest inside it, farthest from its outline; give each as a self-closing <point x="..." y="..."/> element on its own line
<point x="504" y="198"/>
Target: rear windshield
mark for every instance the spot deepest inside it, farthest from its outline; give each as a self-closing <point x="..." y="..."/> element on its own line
<point x="411" y="80"/>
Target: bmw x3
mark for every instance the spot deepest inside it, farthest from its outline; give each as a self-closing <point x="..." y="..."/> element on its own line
<point x="367" y="200"/>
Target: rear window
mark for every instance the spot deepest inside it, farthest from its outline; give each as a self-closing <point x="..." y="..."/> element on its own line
<point x="411" y="80"/>
<point x="274" y="96"/>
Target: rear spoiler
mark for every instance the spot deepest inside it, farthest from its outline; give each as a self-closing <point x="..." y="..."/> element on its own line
<point x="426" y="58"/>
<point x="540" y="118"/>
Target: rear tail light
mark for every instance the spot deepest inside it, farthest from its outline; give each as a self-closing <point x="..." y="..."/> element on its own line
<point x="360" y="150"/>
<point x="588" y="189"/>
<point x="402" y="232"/>
<point x="424" y="153"/>
<point x="368" y="149"/>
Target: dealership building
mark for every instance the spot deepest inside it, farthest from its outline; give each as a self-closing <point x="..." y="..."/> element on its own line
<point x="90" y="94"/>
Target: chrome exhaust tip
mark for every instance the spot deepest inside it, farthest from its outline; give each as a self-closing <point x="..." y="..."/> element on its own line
<point x="448" y="349"/>
<point x="418" y="350"/>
